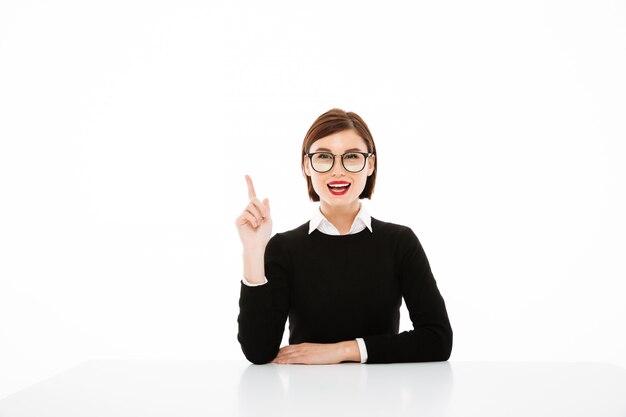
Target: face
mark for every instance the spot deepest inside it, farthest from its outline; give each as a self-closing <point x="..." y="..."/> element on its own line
<point x="339" y="143"/>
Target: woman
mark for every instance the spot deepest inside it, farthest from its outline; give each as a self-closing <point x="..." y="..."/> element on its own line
<point x="341" y="276"/>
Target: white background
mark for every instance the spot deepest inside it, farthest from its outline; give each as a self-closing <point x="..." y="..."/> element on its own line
<point x="127" y="128"/>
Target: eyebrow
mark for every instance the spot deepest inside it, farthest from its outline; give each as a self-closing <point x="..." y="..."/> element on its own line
<point x="347" y="150"/>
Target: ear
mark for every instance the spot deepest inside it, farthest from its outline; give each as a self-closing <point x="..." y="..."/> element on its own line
<point x="307" y="168"/>
<point x="370" y="166"/>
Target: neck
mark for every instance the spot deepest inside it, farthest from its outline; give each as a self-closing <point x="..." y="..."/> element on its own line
<point x="342" y="216"/>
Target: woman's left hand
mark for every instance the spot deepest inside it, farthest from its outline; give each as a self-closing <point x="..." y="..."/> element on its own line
<point x="318" y="353"/>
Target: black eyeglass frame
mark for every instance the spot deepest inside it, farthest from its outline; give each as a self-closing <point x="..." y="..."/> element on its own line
<point x="366" y="154"/>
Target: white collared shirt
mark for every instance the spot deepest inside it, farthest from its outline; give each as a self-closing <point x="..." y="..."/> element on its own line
<point x="321" y="223"/>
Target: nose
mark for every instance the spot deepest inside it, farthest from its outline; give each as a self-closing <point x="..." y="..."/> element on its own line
<point x="338" y="166"/>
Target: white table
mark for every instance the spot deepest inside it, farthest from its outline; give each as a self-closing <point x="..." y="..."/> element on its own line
<point x="238" y="388"/>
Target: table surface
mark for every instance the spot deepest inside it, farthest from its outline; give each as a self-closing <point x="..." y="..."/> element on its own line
<point x="238" y="388"/>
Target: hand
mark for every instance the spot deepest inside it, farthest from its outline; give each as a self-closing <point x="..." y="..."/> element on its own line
<point x="254" y="224"/>
<point x="319" y="353"/>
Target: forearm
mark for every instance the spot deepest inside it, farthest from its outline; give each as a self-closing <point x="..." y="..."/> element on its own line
<point x="253" y="265"/>
<point x="424" y="344"/>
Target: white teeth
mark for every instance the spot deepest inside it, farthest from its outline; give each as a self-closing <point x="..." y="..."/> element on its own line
<point x="337" y="186"/>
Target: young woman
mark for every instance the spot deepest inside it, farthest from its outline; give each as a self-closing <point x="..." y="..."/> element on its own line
<point x="340" y="277"/>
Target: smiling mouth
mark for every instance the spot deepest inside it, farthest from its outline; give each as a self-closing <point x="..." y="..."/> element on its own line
<point x="338" y="190"/>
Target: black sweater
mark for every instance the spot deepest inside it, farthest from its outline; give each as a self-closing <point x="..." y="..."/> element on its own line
<point x="339" y="287"/>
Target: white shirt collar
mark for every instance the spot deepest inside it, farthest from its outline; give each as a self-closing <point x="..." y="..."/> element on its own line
<point x="319" y="221"/>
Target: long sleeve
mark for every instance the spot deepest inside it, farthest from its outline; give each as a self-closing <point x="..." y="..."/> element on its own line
<point x="431" y="337"/>
<point x="263" y="309"/>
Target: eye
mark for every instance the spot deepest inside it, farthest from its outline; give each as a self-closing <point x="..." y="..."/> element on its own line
<point x="352" y="155"/>
<point x="324" y="156"/>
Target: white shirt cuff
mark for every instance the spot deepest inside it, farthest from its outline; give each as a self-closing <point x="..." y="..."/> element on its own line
<point x="362" y="349"/>
<point x="245" y="281"/>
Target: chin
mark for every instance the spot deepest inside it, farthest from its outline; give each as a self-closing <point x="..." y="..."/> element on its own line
<point x="339" y="201"/>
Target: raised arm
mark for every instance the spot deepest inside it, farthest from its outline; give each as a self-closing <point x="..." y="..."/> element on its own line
<point x="431" y="337"/>
<point x="262" y="308"/>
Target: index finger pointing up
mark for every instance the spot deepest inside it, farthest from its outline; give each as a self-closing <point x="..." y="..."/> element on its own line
<point x="251" y="193"/>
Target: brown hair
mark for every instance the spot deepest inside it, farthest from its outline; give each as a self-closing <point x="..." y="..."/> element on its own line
<point x="336" y="120"/>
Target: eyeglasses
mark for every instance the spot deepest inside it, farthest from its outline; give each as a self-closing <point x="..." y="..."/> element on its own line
<point x="351" y="161"/>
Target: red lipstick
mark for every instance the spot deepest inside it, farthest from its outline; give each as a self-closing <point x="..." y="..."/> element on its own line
<point x="338" y="187"/>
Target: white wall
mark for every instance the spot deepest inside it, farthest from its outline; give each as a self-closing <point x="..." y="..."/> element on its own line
<point x="126" y="129"/>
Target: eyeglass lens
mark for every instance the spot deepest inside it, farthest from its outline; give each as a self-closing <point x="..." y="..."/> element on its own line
<point x="353" y="162"/>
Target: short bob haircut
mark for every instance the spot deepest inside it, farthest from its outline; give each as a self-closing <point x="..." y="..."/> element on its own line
<point x="337" y="120"/>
